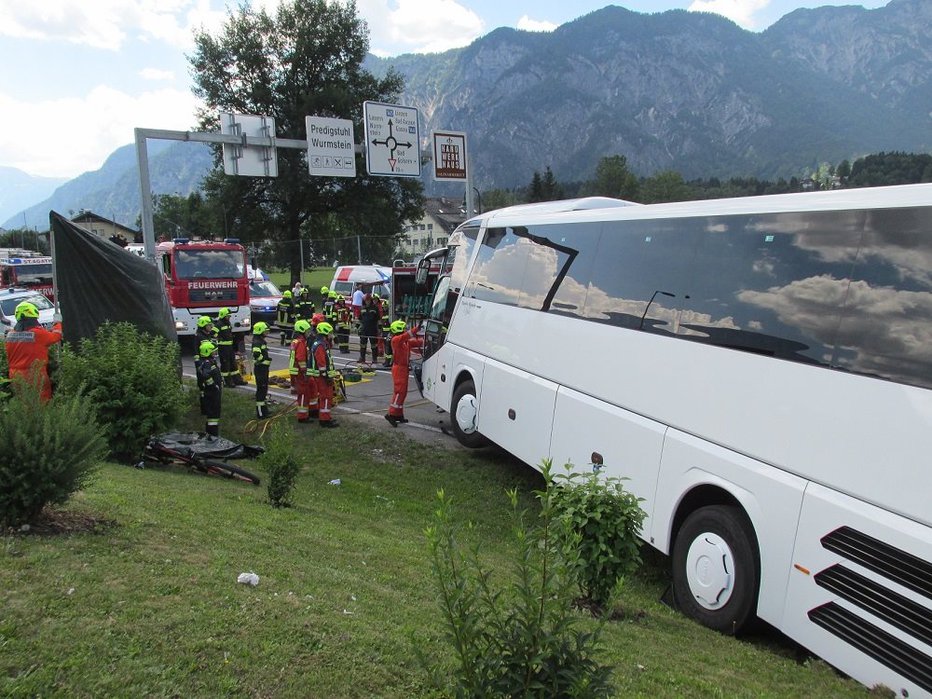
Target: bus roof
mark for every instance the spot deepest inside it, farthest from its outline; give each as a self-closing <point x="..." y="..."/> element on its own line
<point x="835" y="200"/>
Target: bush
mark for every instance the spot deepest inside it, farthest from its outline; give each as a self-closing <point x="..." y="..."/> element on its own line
<point x="607" y="520"/>
<point x="279" y="462"/>
<point x="48" y="451"/>
<point x="133" y="381"/>
<point x="521" y="640"/>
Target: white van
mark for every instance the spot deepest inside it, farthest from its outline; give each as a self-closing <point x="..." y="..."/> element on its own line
<point x="374" y="278"/>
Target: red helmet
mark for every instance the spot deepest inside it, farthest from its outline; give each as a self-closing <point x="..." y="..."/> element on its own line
<point x="317" y="318"/>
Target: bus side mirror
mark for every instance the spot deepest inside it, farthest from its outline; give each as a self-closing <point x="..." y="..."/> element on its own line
<point x="420" y="276"/>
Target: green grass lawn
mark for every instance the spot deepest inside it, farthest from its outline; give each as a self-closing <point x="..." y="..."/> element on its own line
<point x="312" y="278"/>
<point x="149" y="605"/>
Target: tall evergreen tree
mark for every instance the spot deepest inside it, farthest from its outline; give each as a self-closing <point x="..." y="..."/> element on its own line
<point x="536" y="192"/>
<point x="614" y="179"/>
<point x="305" y="60"/>
<point x="550" y="188"/>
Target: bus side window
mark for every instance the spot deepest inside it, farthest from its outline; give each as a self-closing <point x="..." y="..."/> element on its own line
<point x="167" y="265"/>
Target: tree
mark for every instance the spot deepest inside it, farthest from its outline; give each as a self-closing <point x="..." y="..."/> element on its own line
<point x="193" y="216"/>
<point x="304" y="60"/>
<point x="26" y="239"/>
<point x="664" y="186"/>
<point x="881" y="169"/>
<point x="614" y="179"/>
<point x="550" y="189"/>
<point x="536" y="191"/>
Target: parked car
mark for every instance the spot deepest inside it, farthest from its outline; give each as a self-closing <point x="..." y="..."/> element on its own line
<point x="263" y="301"/>
<point x="10" y="298"/>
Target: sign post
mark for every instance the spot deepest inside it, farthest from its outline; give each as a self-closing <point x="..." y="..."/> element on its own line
<point x="392" y="140"/>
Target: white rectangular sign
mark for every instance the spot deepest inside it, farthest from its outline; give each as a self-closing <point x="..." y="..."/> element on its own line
<point x="449" y="155"/>
<point x="331" y="147"/>
<point x="392" y="140"/>
<point x="254" y="161"/>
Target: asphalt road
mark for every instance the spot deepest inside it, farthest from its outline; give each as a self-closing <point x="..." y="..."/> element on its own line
<point x="365" y="400"/>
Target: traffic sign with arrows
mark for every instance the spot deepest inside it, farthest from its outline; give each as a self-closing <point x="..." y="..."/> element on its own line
<point x="392" y="140"/>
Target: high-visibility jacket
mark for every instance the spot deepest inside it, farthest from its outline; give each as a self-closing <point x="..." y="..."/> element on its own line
<point x="402" y="344"/>
<point x="224" y="331"/>
<point x="27" y="351"/>
<point x="297" y="362"/>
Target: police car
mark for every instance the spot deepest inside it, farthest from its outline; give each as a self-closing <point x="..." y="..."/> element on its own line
<point x="12" y="297"/>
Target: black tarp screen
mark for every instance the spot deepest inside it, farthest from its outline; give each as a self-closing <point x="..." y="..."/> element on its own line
<point x="99" y="282"/>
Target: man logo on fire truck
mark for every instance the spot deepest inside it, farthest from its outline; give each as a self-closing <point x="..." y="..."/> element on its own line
<point x="201" y="277"/>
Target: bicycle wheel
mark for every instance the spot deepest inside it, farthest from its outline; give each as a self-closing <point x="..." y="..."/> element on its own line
<point x="219" y="468"/>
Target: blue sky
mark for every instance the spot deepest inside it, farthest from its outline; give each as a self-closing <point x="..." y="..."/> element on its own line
<point x="79" y="75"/>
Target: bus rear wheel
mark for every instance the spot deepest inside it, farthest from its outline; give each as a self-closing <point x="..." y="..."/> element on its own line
<point x="716" y="573"/>
<point x="464" y="412"/>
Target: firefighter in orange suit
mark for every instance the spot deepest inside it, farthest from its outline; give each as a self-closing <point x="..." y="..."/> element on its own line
<point x="27" y="348"/>
<point x="403" y="341"/>
<point x="298" y="367"/>
<point x="325" y="373"/>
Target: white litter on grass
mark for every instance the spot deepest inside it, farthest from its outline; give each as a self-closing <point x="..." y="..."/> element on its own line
<point x="248" y="579"/>
<point x="70" y="590"/>
<point x="335" y="481"/>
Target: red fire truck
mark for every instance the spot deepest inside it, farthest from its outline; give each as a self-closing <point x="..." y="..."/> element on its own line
<point x="201" y="277"/>
<point x="26" y="269"/>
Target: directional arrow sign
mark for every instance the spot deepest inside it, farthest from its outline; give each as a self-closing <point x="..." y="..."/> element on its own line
<point x="392" y="140"/>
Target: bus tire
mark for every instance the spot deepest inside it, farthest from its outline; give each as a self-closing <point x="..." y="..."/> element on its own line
<point x="463" y="413"/>
<point x="716" y="570"/>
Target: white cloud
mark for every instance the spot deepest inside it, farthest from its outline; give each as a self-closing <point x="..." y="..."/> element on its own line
<point x="79" y="133"/>
<point x="156" y="74"/>
<point x="533" y="25"/>
<point x="106" y="24"/>
<point x="741" y="12"/>
<point x="419" y="26"/>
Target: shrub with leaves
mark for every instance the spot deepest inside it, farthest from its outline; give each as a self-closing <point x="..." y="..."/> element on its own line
<point x="48" y="451"/>
<point x="280" y="463"/>
<point x="521" y="638"/>
<point x="607" y="519"/>
<point x="132" y="379"/>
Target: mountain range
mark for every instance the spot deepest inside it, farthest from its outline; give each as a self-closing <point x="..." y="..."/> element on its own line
<point x="677" y="90"/>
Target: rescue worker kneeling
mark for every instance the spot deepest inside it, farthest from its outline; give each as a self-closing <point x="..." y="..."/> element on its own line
<point x="303" y="379"/>
<point x="210" y="384"/>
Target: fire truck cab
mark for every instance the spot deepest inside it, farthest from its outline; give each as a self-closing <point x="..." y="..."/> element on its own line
<point x="26" y="269"/>
<point x="201" y="277"/>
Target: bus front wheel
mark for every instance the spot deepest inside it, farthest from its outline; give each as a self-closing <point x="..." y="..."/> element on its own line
<point x="716" y="573"/>
<point x="464" y="413"/>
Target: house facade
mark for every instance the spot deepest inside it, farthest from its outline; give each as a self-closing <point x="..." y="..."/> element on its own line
<point x="441" y="217"/>
<point x="105" y="228"/>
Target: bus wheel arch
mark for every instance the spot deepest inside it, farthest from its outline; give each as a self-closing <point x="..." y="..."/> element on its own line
<point x="716" y="561"/>
<point x="464" y="408"/>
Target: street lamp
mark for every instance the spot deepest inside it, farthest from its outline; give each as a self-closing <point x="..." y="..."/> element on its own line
<point x="646" y="308"/>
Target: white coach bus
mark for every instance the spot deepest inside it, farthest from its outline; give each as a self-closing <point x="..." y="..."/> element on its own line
<point x="759" y="368"/>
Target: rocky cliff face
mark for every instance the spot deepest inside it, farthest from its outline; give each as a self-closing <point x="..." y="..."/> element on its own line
<point x="685" y="91"/>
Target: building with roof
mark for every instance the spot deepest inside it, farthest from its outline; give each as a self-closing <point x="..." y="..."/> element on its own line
<point x="441" y="217"/>
<point x="105" y="228"/>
